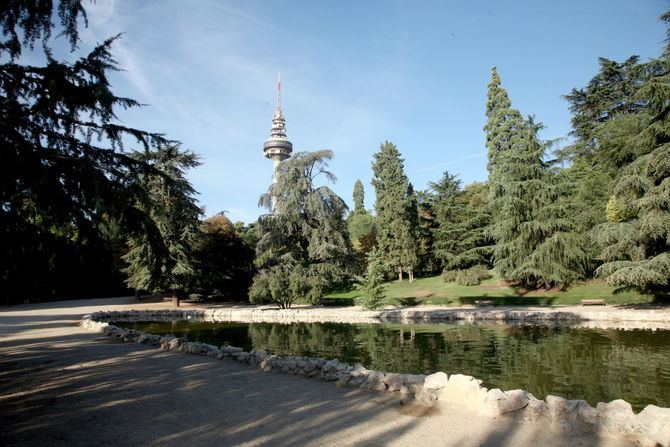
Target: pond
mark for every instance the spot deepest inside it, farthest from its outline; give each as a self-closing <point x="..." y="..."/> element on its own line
<point x="598" y="365"/>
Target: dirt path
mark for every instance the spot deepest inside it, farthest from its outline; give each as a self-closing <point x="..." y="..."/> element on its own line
<point x="61" y="385"/>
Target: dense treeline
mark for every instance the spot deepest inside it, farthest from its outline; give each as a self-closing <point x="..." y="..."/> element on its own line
<point x="88" y="206"/>
<point x="92" y="207"/>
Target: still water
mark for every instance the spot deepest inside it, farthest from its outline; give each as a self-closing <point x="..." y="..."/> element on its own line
<point x="598" y="365"/>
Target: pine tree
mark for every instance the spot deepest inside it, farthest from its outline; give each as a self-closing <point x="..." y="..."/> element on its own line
<point x="636" y="239"/>
<point x="462" y="215"/>
<point x="160" y="258"/>
<point x="502" y="126"/>
<point x="396" y="238"/>
<point x="372" y="285"/>
<point x="68" y="169"/>
<point x="534" y="242"/>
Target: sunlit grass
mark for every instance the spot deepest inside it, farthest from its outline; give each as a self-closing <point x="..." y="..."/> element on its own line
<point x="433" y="290"/>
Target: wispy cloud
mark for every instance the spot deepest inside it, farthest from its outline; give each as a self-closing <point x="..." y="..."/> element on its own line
<point x="448" y="163"/>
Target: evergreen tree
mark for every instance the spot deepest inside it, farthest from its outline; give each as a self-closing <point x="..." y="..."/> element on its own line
<point x="462" y="216"/>
<point x="68" y="170"/>
<point x="372" y="285"/>
<point x="160" y="258"/>
<point x="396" y="238"/>
<point x="636" y="238"/>
<point x="359" y="198"/>
<point x="362" y="228"/>
<point x="304" y="247"/>
<point x="502" y="125"/>
<point x="534" y="241"/>
<point x="611" y="95"/>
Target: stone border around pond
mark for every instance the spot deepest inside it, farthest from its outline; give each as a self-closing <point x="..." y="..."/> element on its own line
<point x="650" y="427"/>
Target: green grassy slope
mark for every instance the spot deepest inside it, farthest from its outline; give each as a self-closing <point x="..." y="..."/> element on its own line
<point x="433" y="290"/>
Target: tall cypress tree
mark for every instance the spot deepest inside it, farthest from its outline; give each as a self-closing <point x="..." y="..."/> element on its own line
<point x="362" y="228"/>
<point x="359" y="197"/>
<point x="396" y="238"/>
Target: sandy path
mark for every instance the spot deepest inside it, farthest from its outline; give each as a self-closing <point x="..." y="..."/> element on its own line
<point x="60" y="385"/>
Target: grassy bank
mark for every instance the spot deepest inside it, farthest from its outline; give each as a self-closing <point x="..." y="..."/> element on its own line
<point x="433" y="290"/>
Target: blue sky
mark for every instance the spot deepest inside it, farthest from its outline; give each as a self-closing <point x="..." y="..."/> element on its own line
<point x="354" y="73"/>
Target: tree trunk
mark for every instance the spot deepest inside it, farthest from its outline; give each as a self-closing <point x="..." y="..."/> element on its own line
<point x="175" y="299"/>
<point x="137" y="294"/>
<point x="400" y="274"/>
<point x="411" y="276"/>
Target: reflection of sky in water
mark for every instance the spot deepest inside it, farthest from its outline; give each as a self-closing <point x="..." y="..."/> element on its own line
<point x="592" y="364"/>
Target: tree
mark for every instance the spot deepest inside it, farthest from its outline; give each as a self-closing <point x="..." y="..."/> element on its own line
<point x="224" y="255"/>
<point x="362" y="228"/>
<point x="68" y="169"/>
<point x="372" y="285"/>
<point x="160" y="257"/>
<point x="462" y="215"/>
<point x="611" y="95"/>
<point x="359" y="198"/>
<point x="636" y="238"/>
<point x="502" y="125"/>
<point x="304" y="247"/>
<point x="534" y="241"/>
<point x="396" y="238"/>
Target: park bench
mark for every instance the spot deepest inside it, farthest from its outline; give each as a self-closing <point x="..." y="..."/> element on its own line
<point x="593" y="302"/>
<point x="328" y="301"/>
<point x="484" y="302"/>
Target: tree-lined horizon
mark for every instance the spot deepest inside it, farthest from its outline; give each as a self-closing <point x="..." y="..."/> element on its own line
<point x="89" y="205"/>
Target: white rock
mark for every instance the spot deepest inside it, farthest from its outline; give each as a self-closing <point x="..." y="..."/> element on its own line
<point x="499" y="402"/>
<point x="657" y="423"/>
<point x="617" y="418"/>
<point x="435" y="381"/>
<point x="464" y="391"/>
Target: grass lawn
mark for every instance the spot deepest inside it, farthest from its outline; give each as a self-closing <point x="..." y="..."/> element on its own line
<point x="433" y="290"/>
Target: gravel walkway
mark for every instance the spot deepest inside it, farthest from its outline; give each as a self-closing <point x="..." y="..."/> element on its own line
<point x="61" y="385"/>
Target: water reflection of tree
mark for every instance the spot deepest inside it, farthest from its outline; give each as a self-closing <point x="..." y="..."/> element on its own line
<point x="589" y="364"/>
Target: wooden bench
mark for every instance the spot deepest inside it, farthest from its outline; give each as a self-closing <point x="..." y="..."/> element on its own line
<point x="168" y="299"/>
<point x="484" y="302"/>
<point x="593" y="302"/>
<point x="328" y="301"/>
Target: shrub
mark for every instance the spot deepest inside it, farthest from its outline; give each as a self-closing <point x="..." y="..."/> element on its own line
<point x="472" y="276"/>
<point x="450" y="275"/>
<point x="372" y="286"/>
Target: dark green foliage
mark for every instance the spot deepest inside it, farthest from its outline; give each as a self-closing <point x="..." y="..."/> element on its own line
<point x="636" y="241"/>
<point x="304" y="246"/>
<point x="224" y="255"/>
<point x="502" y="125"/>
<point x="31" y="20"/>
<point x="160" y="257"/>
<point x="67" y="175"/>
<point x="362" y="228"/>
<point x="396" y="210"/>
<point x="534" y="241"/>
<point x="472" y="276"/>
<point x="462" y="215"/>
<point x="612" y="95"/>
<point x="372" y="285"/>
<point x="359" y="198"/>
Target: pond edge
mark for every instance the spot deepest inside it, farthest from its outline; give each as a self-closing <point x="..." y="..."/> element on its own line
<point x="616" y="419"/>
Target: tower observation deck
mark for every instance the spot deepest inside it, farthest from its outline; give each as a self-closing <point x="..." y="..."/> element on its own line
<point x="277" y="147"/>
